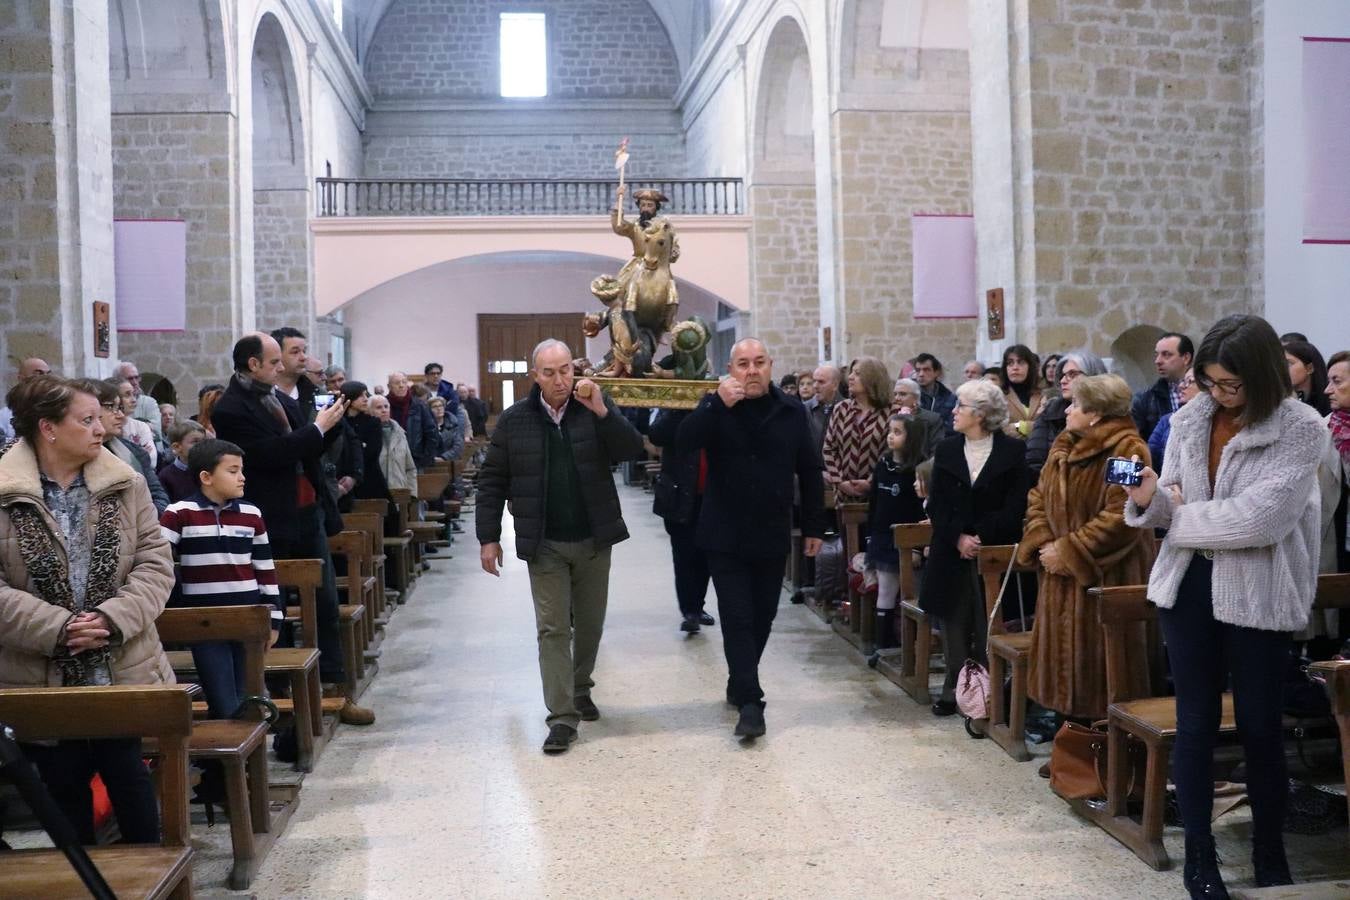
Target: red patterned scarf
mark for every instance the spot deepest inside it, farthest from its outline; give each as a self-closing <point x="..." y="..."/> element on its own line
<point x="1340" y="434"/>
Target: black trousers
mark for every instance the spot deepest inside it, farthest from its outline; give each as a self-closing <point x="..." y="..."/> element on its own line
<point x="67" y="768"/>
<point x="748" y="589"/>
<point x="1205" y="655"/>
<point x="691" y="567"/>
<point x="308" y="540"/>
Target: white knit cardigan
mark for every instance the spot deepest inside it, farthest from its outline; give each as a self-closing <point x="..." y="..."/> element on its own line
<point x="1264" y="520"/>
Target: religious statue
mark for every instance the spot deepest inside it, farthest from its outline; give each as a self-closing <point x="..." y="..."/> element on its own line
<point x="641" y="301"/>
<point x="689" y="352"/>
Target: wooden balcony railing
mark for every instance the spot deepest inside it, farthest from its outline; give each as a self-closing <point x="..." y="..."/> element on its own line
<point x="518" y="197"/>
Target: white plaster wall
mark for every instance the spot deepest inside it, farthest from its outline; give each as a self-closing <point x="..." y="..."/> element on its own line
<point x="1305" y="283"/>
<point x="432" y="314"/>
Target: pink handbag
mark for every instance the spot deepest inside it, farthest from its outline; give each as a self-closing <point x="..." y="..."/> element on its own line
<point x="972" y="685"/>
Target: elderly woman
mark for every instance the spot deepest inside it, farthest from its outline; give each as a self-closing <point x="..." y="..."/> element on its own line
<point x="84" y="573"/>
<point x="977" y="494"/>
<point x="451" y="425"/>
<point x="856" y="434"/>
<point x="113" y="411"/>
<point x="1022" y="389"/>
<point x="1050" y="422"/>
<point x="1236" y="574"/>
<point x="396" y="460"/>
<point x="1076" y="529"/>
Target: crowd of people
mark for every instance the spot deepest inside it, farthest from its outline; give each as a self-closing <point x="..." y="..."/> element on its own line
<point x="105" y="490"/>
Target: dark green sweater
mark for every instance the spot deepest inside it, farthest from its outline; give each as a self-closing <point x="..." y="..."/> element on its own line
<point x="565" y="516"/>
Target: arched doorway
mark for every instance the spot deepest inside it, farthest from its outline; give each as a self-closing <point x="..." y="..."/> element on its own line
<point x="1132" y="355"/>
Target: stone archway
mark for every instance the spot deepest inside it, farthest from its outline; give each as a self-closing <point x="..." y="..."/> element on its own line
<point x="785" y="268"/>
<point x="1132" y="355"/>
<point x="281" y="193"/>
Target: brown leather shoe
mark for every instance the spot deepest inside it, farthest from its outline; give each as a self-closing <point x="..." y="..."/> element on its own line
<point x="351" y="714"/>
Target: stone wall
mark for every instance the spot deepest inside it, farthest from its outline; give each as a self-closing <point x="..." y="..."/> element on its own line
<point x="560" y="153"/>
<point x="890" y="165"/>
<point x="168" y="166"/>
<point x="1139" y="165"/>
<point x="281" y="260"/>
<point x="597" y="48"/>
<point x="784" y="275"/>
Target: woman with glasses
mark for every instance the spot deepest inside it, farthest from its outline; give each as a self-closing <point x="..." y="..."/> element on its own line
<point x="977" y="494"/>
<point x="114" y="415"/>
<point x="1235" y="576"/>
<point x="1051" y="421"/>
<point x="1157" y="441"/>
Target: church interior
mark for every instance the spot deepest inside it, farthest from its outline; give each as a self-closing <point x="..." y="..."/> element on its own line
<point x="418" y="196"/>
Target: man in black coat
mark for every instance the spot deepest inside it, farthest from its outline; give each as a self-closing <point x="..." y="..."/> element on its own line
<point x="550" y="457"/>
<point x="678" y="500"/>
<point x="756" y="439"/>
<point x="1172" y="356"/>
<point x="283" y="472"/>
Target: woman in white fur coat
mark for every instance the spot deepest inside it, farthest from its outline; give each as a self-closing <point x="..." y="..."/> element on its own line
<point x="1236" y="574"/>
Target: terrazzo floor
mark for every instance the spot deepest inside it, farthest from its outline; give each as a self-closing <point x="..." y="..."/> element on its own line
<point x="855" y="791"/>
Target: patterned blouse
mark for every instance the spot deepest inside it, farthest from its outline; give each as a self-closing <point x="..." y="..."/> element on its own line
<point x="70" y="508"/>
<point x="855" y="438"/>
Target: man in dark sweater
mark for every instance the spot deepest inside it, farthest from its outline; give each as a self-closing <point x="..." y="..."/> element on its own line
<point x="756" y="439"/>
<point x="550" y="457"/>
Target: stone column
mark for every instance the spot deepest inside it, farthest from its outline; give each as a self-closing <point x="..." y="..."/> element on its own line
<point x="56" y="244"/>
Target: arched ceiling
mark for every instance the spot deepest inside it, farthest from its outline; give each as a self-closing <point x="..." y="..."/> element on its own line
<point x="680" y="18"/>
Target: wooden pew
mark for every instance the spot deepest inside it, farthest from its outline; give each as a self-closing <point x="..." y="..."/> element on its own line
<point x="300" y="665"/>
<point x="916" y="630"/>
<point x="306" y="580"/>
<point x="410" y="522"/>
<point x="240" y="745"/>
<point x="354" y="616"/>
<point x="358" y="585"/>
<point x="1008" y="652"/>
<point x="397" y="549"/>
<point x="1152" y="721"/>
<point x="862" y="614"/>
<point x="162" y="712"/>
<point x="1337" y="675"/>
<point x="372" y="526"/>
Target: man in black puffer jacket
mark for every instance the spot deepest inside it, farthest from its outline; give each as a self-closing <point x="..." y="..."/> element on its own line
<point x="550" y="456"/>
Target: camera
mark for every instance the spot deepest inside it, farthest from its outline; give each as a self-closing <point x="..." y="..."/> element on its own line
<point x="1122" y="471"/>
<point x="323" y="401"/>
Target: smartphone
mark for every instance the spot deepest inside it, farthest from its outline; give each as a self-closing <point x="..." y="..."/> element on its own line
<point x="1122" y="471"/>
<point x="323" y="401"/>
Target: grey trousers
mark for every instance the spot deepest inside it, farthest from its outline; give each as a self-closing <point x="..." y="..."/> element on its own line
<point x="570" y="584"/>
<point x="965" y="628"/>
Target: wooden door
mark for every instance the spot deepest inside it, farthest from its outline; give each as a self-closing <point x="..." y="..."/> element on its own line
<point x="504" y="346"/>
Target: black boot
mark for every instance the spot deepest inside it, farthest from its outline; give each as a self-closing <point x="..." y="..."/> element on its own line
<point x="1271" y="866"/>
<point x="1201" y="875"/>
<point x="885" y="635"/>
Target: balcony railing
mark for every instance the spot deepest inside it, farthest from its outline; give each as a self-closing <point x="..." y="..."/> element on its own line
<point x="518" y="197"/>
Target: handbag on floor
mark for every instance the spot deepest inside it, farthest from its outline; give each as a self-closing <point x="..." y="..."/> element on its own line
<point x="1078" y="761"/>
<point x="972" y="685"/>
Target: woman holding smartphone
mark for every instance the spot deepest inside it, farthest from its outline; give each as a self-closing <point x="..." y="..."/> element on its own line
<point x="1235" y="576"/>
<point x="1076" y="529"/>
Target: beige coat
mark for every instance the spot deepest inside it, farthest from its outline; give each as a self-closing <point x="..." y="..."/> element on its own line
<point x="30" y="627"/>
<point x="396" y="460"/>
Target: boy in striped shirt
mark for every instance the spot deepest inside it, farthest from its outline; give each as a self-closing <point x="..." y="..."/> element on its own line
<point x="220" y="543"/>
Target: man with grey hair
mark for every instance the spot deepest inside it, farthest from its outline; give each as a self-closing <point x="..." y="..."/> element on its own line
<point x="973" y="370"/>
<point x="905" y="400"/>
<point x="29" y="368"/>
<point x="146" y="409"/>
<point x="550" y="458"/>
<point x="826" y="380"/>
<point x="334" y="377"/>
<point x="756" y="440"/>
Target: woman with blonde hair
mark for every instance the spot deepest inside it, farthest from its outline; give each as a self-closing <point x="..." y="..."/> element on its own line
<point x="856" y="434"/>
<point x="1076" y="528"/>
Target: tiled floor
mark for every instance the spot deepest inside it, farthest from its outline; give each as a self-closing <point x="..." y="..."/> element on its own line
<point x="856" y="791"/>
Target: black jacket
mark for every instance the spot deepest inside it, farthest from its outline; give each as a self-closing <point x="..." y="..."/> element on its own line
<point x="157" y="492"/>
<point x="676" y="488"/>
<point x="991" y="509"/>
<point x="273" y="457"/>
<point x="754" y="450"/>
<point x="478" y="416"/>
<point x="342" y="459"/>
<point x="1150" y="405"/>
<point x="1044" y="430"/>
<point x="517" y="463"/>
<point x="943" y="402"/>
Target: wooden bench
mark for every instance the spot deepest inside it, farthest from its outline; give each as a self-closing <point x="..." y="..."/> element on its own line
<point x="300" y="665"/>
<point x="1008" y="652"/>
<point x="163" y="713"/>
<point x="1152" y="721"/>
<point x="859" y="629"/>
<point x="240" y="745"/>
<point x="355" y="616"/>
<point x="1337" y="675"/>
<point x="916" y="629"/>
<point x="306" y="580"/>
<point x="422" y="533"/>
<point x="371" y="525"/>
<point x="397" y="549"/>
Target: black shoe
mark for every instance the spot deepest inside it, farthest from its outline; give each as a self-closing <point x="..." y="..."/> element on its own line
<point x="690" y="624"/>
<point x="587" y="708"/>
<point x="1272" y="868"/>
<point x="560" y="737"/>
<point x="751" y="724"/>
<point x="1201" y="874"/>
<point x="705" y="619"/>
<point x="944" y="707"/>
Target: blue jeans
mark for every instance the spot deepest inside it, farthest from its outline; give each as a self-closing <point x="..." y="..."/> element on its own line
<point x="1205" y="655"/>
<point x="220" y="669"/>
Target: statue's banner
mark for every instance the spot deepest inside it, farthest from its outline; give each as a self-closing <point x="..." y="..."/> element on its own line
<point x="658" y="393"/>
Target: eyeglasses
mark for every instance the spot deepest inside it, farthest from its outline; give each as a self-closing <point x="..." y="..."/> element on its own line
<point x="1069" y="374"/>
<point x="1229" y="387"/>
<point x="1186" y="382"/>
